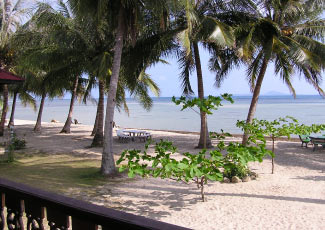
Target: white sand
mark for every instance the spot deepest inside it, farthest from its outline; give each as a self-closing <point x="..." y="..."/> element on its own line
<point x="292" y="198"/>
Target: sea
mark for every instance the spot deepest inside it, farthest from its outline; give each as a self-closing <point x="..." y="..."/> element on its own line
<point x="165" y="115"/>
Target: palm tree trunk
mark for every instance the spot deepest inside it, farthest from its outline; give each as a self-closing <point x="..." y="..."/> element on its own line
<point x="6" y="8"/>
<point x="204" y="141"/>
<point x="108" y="163"/>
<point x="256" y="94"/>
<point x="13" y="107"/>
<point x="99" y="136"/>
<point x="67" y="125"/>
<point x="4" y="109"/>
<point x="6" y="16"/>
<point x="38" y="124"/>
<point x="96" y="123"/>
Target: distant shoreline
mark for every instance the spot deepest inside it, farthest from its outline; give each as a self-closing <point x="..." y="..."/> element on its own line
<point x="292" y="139"/>
<point x="238" y="96"/>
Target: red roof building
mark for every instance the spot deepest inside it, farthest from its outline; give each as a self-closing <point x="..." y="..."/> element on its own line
<point x="9" y="78"/>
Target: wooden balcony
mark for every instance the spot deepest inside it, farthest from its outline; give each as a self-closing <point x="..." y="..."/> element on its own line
<point x="33" y="209"/>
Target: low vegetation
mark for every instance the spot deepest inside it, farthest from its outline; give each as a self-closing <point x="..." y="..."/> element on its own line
<point x="198" y="168"/>
<point x="53" y="172"/>
<point x="287" y="126"/>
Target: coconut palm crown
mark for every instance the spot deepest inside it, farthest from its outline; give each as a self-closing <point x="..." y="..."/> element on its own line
<point x="287" y="33"/>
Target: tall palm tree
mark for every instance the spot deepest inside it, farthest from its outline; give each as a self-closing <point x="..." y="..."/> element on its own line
<point x="44" y="85"/>
<point x="202" y="27"/>
<point x="55" y="44"/>
<point x="67" y="126"/>
<point x="288" y="34"/>
<point x="124" y="18"/>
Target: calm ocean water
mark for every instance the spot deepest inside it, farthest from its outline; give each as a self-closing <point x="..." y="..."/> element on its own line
<point x="167" y="116"/>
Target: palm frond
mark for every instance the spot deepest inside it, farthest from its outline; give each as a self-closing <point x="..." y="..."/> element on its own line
<point x="186" y="64"/>
<point x="27" y="99"/>
<point x="254" y="69"/>
<point x="63" y="9"/>
<point x="217" y="32"/>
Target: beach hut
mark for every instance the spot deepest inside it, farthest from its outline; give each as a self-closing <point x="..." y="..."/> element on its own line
<point x="9" y="78"/>
<point x="5" y="79"/>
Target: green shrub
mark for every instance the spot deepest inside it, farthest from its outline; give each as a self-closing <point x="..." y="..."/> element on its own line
<point x="233" y="169"/>
<point x="17" y="143"/>
<point x="198" y="168"/>
<point x="286" y="126"/>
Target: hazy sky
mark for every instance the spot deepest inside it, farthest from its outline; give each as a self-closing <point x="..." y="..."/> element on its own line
<point x="167" y="77"/>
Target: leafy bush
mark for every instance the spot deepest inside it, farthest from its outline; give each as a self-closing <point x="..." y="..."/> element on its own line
<point x="17" y="143"/>
<point x="205" y="105"/>
<point x="238" y="156"/>
<point x="287" y="126"/>
<point x="233" y="169"/>
<point x="198" y="168"/>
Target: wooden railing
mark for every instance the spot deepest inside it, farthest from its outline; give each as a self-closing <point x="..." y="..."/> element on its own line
<point x="33" y="209"/>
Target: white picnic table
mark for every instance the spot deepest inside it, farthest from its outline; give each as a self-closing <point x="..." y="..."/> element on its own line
<point x="135" y="133"/>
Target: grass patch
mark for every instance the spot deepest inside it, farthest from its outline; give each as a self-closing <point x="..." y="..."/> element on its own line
<point x="54" y="172"/>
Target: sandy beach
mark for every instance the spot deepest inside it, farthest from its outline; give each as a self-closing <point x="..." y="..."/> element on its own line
<point x="292" y="198"/>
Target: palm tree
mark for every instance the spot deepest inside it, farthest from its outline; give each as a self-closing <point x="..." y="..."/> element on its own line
<point x="55" y="45"/>
<point x="287" y="33"/>
<point x="202" y="27"/>
<point x="45" y="85"/>
<point x="20" y="91"/>
<point x="67" y="125"/>
<point x="124" y="18"/>
<point x="88" y="53"/>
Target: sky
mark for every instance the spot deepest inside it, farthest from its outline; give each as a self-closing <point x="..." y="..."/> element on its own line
<point x="167" y="77"/>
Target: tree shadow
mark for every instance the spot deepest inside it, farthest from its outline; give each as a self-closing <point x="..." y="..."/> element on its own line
<point x="312" y="178"/>
<point x="80" y="178"/>
<point x="285" y="198"/>
<point x="176" y="196"/>
<point x="291" y="154"/>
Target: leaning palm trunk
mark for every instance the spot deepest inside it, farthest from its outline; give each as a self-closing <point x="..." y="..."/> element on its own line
<point x="108" y="164"/>
<point x="95" y="124"/>
<point x="4" y="109"/>
<point x="99" y="136"/>
<point x="67" y="125"/>
<point x="256" y="94"/>
<point x="204" y="141"/>
<point x="13" y="107"/>
<point x="38" y="124"/>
